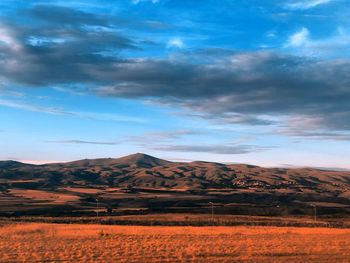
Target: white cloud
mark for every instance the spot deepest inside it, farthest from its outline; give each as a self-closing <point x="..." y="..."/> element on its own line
<point x="62" y="112"/>
<point x="175" y="42"/>
<point x="7" y="39"/>
<point x="271" y="34"/>
<point x="135" y="2"/>
<point x="306" y="4"/>
<point x="85" y="142"/>
<point x="336" y="45"/>
<point x="299" y="38"/>
<point x="38" y="162"/>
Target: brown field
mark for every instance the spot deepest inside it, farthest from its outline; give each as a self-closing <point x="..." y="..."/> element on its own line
<point x="44" y="196"/>
<point x="33" y="242"/>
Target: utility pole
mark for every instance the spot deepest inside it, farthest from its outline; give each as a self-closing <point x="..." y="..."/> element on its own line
<point x="97" y="207"/>
<point x="212" y="210"/>
<point x="315" y="212"/>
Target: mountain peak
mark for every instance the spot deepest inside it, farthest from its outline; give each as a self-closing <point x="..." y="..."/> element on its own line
<point x="140" y="156"/>
<point x="142" y="160"/>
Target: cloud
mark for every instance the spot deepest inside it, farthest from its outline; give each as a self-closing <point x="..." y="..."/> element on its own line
<point x="175" y="42"/>
<point x="337" y="45"/>
<point x="251" y="87"/>
<point x="63" y="112"/>
<point x="316" y="135"/>
<point x="167" y="141"/>
<point x="314" y="128"/>
<point x="232" y="118"/>
<point x="156" y="137"/>
<point x="243" y="85"/>
<point x="299" y="38"/>
<point x="37" y="162"/>
<point x="7" y="39"/>
<point x="135" y="2"/>
<point x="84" y="142"/>
<point x="69" y="46"/>
<point x="60" y="15"/>
<point x="216" y="149"/>
<point x="306" y="4"/>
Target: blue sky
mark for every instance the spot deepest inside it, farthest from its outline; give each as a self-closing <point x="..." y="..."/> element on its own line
<point x="261" y="82"/>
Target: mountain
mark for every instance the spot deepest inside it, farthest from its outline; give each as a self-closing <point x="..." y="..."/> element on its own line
<point x="137" y="160"/>
<point x="12" y="164"/>
<point x="141" y="179"/>
<point x="142" y="160"/>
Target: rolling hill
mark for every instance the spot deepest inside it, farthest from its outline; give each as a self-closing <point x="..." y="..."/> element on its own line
<point x="143" y="181"/>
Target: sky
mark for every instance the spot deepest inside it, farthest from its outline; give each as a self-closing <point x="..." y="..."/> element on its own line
<point x="233" y="81"/>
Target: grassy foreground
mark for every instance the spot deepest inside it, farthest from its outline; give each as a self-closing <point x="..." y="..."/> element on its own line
<point x="38" y="242"/>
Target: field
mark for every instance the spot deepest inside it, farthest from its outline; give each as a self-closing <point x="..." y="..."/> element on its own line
<point x="187" y="219"/>
<point x="38" y="242"/>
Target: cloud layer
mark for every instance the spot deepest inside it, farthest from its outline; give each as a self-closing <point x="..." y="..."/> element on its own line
<point x="84" y="142"/>
<point x="64" y="46"/>
<point x="216" y="149"/>
<point x="307" y="4"/>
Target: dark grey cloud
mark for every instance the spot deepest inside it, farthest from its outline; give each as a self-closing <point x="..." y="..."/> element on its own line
<point x="244" y="87"/>
<point x="67" y="47"/>
<point x="84" y="142"/>
<point x="230" y="118"/>
<point x="315" y="135"/>
<point x="217" y="149"/>
<point x="318" y="126"/>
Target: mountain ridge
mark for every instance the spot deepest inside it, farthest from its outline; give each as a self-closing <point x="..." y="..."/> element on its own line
<point x="144" y="170"/>
<point x="157" y="162"/>
<point x="141" y="180"/>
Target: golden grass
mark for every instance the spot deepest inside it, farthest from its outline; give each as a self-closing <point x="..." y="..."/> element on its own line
<point x="33" y="242"/>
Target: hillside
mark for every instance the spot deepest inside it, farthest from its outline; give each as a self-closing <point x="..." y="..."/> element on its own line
<point x="143" y="181"/>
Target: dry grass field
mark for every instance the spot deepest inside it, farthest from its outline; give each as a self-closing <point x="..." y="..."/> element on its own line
<point x="33" y="242"/>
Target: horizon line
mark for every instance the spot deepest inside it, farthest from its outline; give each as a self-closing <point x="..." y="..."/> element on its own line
<point x="179" y="160"/>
